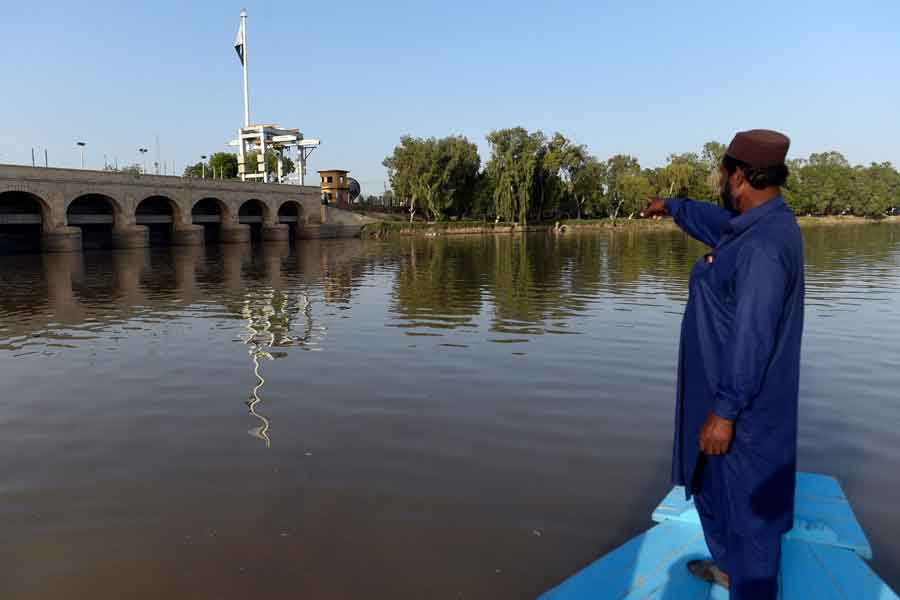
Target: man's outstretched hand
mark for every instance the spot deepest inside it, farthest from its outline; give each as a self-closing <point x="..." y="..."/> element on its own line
<point x="656" y="209"/>
<point x="716" y="435"/>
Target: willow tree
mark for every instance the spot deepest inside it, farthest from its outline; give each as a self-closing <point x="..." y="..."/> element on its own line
<point x="684" y="175"/>
<point x="626" y="186"/>
<point x="563" y="171"/>
<point x="516" y="159"/>
<point x="438" y="175"/>
<point x="587" y="185"/>
<point x="711" y="158"/>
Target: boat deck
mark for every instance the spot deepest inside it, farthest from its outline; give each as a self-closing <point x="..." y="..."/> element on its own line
<point x="823" y="556"/>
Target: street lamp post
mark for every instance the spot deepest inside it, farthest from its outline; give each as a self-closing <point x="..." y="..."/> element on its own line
<point x="203" y="165"/>
<point x="143" y="152"/>
<point x="81" y="145"/>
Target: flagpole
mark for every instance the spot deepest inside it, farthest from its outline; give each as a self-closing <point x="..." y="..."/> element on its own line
<point x="246" y="93"/>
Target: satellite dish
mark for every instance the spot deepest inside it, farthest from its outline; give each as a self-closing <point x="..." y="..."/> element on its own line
<point x="354" y="189"/>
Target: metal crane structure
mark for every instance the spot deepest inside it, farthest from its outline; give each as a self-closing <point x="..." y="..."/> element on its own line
<point x="263" y="139"/>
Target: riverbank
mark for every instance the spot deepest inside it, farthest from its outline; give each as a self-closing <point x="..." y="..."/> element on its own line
<point x="844" y="220"/>
<point x="389" y="229"/>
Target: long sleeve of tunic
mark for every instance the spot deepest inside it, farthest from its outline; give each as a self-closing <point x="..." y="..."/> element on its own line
<point x="703" y="221"/>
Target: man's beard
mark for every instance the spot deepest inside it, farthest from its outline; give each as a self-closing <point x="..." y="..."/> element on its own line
<point x="726" y="198"/>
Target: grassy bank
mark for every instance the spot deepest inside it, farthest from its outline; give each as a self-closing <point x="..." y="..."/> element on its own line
<point x="387" y="229"/>
<point x="844" y="220"/>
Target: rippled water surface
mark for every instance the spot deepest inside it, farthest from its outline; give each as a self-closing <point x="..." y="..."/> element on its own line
<point x="443" y="418"/>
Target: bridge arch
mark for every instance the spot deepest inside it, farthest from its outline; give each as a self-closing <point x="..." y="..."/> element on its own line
<point x="290" y="208"/>
<point x="96" y="215"/>
<point x="23" y="218"/>
<point x="290" y="213"/>
<point x="254" y="213"/>
<point x="159" y="214"/>
<point x="96" y="198"/>
<point x="211" y="214"/>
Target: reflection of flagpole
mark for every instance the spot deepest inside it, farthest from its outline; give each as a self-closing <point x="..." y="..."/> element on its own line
<point x="268" y="323"/>
<point x="258" y="350"/>
<point x="262" y="431"/>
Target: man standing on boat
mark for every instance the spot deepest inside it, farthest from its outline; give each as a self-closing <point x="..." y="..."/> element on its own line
<point x="739" y="363"/>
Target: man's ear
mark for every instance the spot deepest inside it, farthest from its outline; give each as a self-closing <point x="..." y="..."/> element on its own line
<point x="739" y="178"/>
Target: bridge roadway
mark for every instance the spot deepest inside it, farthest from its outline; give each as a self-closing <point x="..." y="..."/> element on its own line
<point x="64" y="205"/>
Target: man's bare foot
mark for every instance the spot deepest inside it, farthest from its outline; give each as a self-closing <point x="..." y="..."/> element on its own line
<point x="706" y="570"/>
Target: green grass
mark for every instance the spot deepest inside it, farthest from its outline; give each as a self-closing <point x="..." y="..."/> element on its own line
<point x="383" y="228"/>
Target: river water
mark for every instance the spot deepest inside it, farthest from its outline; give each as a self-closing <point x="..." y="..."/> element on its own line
<point x="420" y="418"/>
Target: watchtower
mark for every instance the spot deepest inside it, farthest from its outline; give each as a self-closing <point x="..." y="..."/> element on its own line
<point x="335" y="186"/>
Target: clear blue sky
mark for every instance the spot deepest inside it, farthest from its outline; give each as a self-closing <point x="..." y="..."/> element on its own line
<point x="647" y="80"/>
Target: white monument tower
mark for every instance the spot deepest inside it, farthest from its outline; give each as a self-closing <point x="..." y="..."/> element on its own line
<point x="266" y="138"/>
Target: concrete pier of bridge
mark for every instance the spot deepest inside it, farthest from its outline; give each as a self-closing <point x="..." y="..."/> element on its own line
<point x="67" y="210"/>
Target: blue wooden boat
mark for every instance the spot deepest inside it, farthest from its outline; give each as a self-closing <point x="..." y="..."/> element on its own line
<point x="823" y="556"/>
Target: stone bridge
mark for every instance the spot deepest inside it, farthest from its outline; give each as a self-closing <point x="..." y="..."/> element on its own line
<point x="61" y="210"/>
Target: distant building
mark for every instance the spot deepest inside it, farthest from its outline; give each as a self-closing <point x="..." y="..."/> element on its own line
<point x="335" y="186"/>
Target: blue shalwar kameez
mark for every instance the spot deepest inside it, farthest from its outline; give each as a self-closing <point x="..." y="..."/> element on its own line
<point x="740" y="359"/>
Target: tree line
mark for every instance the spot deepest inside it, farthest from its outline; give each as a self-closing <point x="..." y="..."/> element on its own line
<point x="531" y="177"/>
<point x="224" y="165"/>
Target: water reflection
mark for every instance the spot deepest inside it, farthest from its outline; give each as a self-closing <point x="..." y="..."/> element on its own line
<point x="59" y="302"/>
<point x="514" y="288"/>
<point x="271" y="323"/>
<point x="535" y="285"/>
<point x="259" y="338"/>
<point x="528" y="378"/>
<point x="526" y="286"/>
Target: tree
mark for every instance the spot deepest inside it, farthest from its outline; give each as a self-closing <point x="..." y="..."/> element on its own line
<point x="196" y="170"/>
<point x="684" y="176"/>
<point x="516" y="160"/>
<point x="562" y="169"/>
<point x="587" y="185"/>
<point x="532" y="177"/>
<point x="438" y="175"/>
<point x="462" y="166"/>
<point x="223" y="165"/>
<point x="711" y="159"/>
<point x="877" y="189"/>
<point x="387" y="199"/>
<point x="712" y="154"/>
<point x="626" y="186"/>
<point x="252" y="161"/>
<point x="832" y="158"/>
<point x="560" y="163"/>
<point x="827" y="180"/>
<point x="483" y="196"/>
